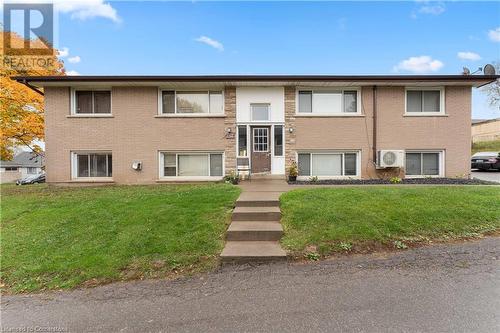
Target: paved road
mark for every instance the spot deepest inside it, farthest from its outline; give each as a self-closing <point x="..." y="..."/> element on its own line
<point x="434" y="289"/>
<point x="492" y="176"/>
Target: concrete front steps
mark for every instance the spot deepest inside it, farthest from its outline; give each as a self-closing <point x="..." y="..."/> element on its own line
<point x="255" y="230"/>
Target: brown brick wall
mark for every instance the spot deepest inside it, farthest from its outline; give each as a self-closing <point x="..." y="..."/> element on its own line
<point x="134" y="133"/>
<point x="450" y="133"/>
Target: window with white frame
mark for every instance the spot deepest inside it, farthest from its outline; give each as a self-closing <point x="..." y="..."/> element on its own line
<point x="192" y="102"/>
<point x="192" y="164"/>
<point x="259" y="111"/>
<point x="31" y="170"/>
<point x="423" y="163"/>
<point x="89" y="102"/>
<point x="328" y="164"/>
<point x="424" y="101"/>
<point x="328" y="101"/>
<point x="261" y="139"/>
<point x="92" y="165"/>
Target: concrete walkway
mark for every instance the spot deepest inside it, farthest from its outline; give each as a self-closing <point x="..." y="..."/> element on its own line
<point x="255" y="230"/>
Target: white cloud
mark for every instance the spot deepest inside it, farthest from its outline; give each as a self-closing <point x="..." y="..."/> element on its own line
<point x="342" y="23"/>
<point x="86" y="9"/>
<point x="64" y="52"/>
<point x="468" y="56"/>
<point x="427" y="7"/>
<point x="421" y="64"/>
<point x="72" y="73"/>
<point x="74" y="60"/>
<point x="211" y="42"/>
<point x="494" y="35"/>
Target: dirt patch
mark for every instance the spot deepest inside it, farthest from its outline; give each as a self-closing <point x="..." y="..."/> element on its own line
<point x="375" y="248"/>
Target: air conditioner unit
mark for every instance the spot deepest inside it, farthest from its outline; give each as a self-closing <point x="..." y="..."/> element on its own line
<point x="390" y="159"/>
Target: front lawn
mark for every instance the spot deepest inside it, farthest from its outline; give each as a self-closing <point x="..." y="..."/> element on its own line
<point x="330" y="220"/>
<point x="65" y="237"/>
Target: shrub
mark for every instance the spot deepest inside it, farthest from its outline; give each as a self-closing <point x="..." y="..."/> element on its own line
<point x="232" y="178"/>
<point x="293" y="170"/>
<point x="395" y="180"/>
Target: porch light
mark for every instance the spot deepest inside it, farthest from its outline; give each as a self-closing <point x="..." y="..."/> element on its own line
<point x="290" y="129"/>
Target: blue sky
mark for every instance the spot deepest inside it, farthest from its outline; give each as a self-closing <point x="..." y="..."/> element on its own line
<point x="280" y="38"/>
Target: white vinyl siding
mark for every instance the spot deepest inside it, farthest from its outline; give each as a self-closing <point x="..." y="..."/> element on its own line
<point x="328" y="101"/>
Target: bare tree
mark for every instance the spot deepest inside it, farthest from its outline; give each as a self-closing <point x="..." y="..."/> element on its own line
<point x="493" y="89"/>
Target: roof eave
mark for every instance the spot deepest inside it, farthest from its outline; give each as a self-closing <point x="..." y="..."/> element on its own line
<point x="472" y="80"/>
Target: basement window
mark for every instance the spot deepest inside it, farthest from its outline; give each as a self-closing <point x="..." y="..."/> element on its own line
<point x="328" y="164"/>
<point x="423" y="164"/>
<point x="92" y="165"/>
<point x="201" y="165"/>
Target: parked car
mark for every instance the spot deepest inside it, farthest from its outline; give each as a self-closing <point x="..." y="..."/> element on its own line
<point x="33" y="179"/>
<point x="486" y="161"/>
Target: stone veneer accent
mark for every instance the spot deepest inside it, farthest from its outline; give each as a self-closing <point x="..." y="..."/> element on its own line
<point x="230" y="122"/>
<point x="289" y="123"/>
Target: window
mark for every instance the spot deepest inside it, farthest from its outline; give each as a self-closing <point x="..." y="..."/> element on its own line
<point x="192" y="165"/>
<point x="328" y="102"/>
<point x="259" y="112"/>
<point x="31" y="170"/>
<point x="192" y="102"/>
<point x="423" y="163"/>
<point x="11" y="168"/>
<point x="328" y="164"/>
<point x="90" y="165"/>
<point x="92" y="102"/>
<point x="278" y="140"/>
<point x="242" y="141"/>
<point x="424" y="101"/>
<point x="261" y="140"/>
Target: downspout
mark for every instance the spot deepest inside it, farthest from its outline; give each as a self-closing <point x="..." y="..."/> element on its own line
<point x="375" y="124"/>
<point x="32" y="87"/>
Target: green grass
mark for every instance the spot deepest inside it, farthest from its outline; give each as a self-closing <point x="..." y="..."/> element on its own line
<point x="332" y="219"/>
<point x="65" y="237"/>
<point x="486" y="146"/>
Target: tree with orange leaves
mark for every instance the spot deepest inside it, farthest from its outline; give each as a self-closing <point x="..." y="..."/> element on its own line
<point x="21" y="108"/>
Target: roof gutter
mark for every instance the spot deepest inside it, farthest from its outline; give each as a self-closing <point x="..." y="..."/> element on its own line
<point x="257" y="78"/>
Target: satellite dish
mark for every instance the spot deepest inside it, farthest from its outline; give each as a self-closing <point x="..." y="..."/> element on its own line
<point x="465" y="71"/>
<point x="489" y="70"/>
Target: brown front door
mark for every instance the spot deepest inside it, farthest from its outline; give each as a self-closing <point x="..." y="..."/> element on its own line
<point x="261" y="149"/>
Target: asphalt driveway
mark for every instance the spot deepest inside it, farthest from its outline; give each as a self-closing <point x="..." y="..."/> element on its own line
<point x="438" y="288"/>
<point x="492" y="176"/>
